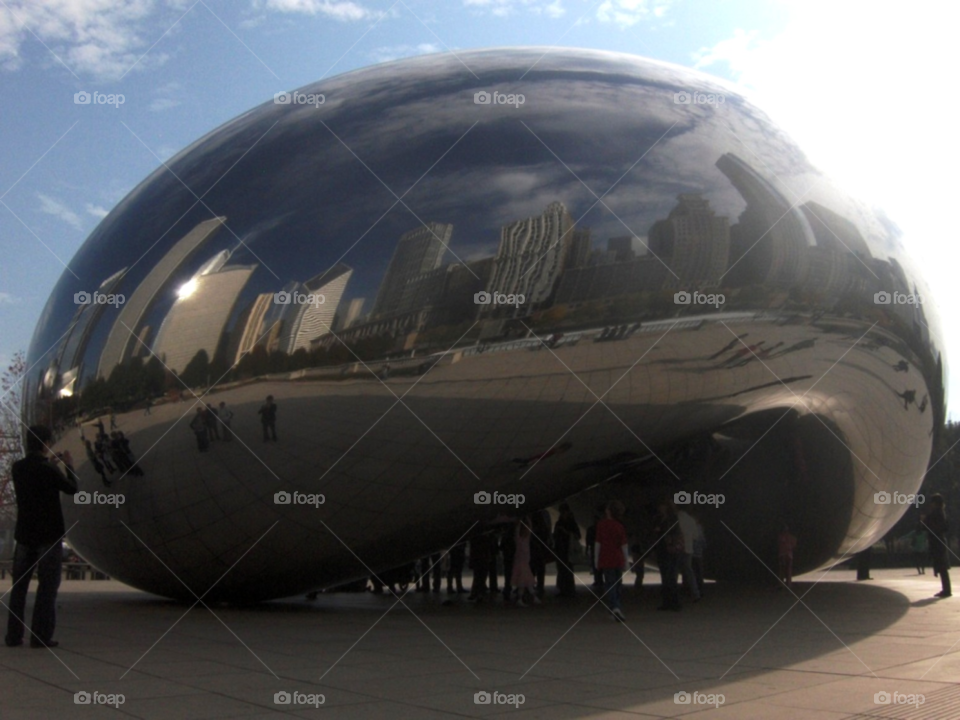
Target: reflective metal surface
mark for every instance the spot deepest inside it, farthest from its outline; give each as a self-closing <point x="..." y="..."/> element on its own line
<point x="601" y="275"/>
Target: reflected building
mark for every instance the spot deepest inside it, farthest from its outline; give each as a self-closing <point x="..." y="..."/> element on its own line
<point x="694" y="243"/>
<point x="353" y="312"/>
<point x="122" y="340"/>
<point x="769" y="242"/>
<point x="531" y="256"/>
<point x="309" y="321"/>
<point x="249" y="330"/>
<point x="198" y="318"/>
<point x="419" y="251"/>
<point x="74" y="345"/>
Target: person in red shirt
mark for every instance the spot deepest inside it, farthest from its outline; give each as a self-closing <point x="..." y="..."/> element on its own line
<point x="611" y="555"/>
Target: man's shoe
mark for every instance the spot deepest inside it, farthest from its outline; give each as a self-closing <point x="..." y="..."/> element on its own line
<point x="34" y="643"/>
<point x="618" y="615"/>
<point x="13" y="643"/>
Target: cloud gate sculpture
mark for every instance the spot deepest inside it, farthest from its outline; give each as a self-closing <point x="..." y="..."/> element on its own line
<point x="554" y="274"/>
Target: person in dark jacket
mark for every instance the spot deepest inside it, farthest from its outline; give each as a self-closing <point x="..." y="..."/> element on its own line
<point x="268" y="418"/>
<point x="936" y="524"/>
<point x="508" y="548"/>
<point x="541" y="550"/>
<point x="458" y="558"/>
<point x="591" y="540"/>
<point x="481" y="558"/>
<point x="199" y="427"/>
<point x="37" y="483"/>
<point x="669" y="550"/>
<point x="565" y="533"/>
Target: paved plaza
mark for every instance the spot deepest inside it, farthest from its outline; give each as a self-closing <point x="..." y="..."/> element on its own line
<point x="372" y="657"/>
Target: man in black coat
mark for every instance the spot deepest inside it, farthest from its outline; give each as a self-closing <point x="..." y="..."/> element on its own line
<point x="38" y="483"/>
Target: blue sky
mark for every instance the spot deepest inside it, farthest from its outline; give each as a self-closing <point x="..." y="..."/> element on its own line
<point x="864" y="87"/>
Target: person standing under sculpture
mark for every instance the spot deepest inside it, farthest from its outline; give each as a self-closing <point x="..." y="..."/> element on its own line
<point x="37" y="484"/>
<point x="541" y="550"/>
<point x="688" y="526"/>
<point x="611" y="555"/>
<point x="669" y="549"/>
<point x="936" y="524"/>
<point x="591" y="540"/>
<point x="522" y="578"/>
<point x="786" y="543"/>
<point x="268" y="417"/>
<point x="508" y="548"/>
<point x="565" y="533"/>
<point x="458" y="557"/>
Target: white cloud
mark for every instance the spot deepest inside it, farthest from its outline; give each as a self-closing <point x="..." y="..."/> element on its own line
<point x="396" y="52"/>
<point x="51" y="206"/>
<point x="98" y="38"/>
<point x="504" y="8"/>
<point x="627" y="13"/>
<point x="867" y="96"/>
<point x="165" y="97"/>
<point x="97" y="211"/>
<point x="344" y="10"/>
<point x="8" y="299"/>
<point x="160" y="104"/>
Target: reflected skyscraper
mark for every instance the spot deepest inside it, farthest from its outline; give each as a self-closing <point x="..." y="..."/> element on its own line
<point x="768" y="244"/>
<point x="419" y="251"/>
<point x="531" y="256"/>
<point x="694" y="243"/>
<point x="312" y="320"/>
<point x="122" y="339"/>
<point x="353" y="312"/>
<point x="74" y="345"/>
<point x="250" y="330"/>
<point x="197" y="320"/>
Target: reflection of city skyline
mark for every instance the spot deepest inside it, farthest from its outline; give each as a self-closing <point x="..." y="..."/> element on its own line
<point x="122" y="342"/>
<point x="546" y="258"/>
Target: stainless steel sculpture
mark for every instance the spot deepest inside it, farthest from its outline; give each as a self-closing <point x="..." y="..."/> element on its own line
<point x="552" y="273"/>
